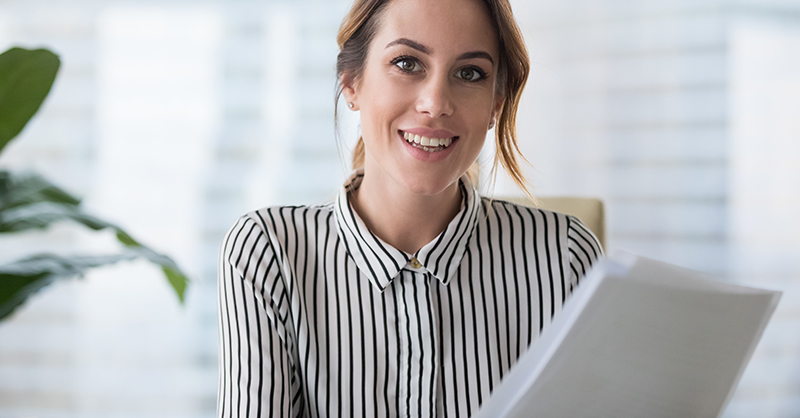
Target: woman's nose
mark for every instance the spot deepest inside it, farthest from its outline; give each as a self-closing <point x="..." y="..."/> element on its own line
<point x="435" y="98"/>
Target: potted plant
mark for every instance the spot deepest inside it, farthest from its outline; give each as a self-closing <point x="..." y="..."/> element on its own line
<point x="29" y="202"/>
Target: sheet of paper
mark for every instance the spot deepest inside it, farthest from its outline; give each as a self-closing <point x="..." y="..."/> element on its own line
<point x="638" y="338"/>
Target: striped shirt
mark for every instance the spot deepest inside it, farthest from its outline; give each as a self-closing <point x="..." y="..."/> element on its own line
<point x="320" y="318"/>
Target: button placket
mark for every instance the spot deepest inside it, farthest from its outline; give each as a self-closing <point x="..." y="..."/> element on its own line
<point x="404" y="367"/>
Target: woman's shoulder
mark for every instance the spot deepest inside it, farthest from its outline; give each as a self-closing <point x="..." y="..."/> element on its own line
<point x="289" y="215"/>
<point x="577" y="233"/>
<point x="278" y="222"/>
<point x="503" y="206"/>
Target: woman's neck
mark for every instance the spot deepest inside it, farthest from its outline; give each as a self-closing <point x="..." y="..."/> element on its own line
<point x="403" y="219"/>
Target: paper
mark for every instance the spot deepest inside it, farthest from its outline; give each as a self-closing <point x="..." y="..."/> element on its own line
<point x="639" y="338"/>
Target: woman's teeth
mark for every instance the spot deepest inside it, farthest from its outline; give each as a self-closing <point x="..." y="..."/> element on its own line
<point x="427" y="144"/>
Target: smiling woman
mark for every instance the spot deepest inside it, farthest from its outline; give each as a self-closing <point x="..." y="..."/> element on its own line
<point x="410" y="295"/>
<point x="358" y="30"/>
<point x="412" y="84"/>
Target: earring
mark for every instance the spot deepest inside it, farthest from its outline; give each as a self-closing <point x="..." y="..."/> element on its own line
<point x="350" y="105"/>
<point x="491" y="124"/>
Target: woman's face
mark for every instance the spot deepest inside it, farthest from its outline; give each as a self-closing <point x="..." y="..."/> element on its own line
<point x="427" y="94"/>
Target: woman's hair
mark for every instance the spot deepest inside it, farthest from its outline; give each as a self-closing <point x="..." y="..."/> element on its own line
<point x="354" y="38"/>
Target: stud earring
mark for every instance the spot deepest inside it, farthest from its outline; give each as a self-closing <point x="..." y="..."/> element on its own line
<point x="350" y="105"/>
<point x="491" y="124"/>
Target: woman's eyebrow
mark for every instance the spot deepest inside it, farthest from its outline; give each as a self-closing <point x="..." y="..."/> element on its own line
<point x="408" y="42"/>
<point x="425" y="50"/>
<point x="476" y="54"/>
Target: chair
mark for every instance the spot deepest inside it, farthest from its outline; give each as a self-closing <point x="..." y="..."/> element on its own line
<point x="589" y="210"/>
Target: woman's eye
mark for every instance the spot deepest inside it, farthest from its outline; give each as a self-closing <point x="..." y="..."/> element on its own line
<point x="407" y="65"/>
<point x="470" y="74"/>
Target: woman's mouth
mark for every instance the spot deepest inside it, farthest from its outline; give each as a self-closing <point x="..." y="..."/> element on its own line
<point x="428" y="144"/>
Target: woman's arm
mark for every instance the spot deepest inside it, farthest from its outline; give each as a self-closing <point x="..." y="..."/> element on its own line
<point x="584" y="250"/>
<point x="255" y="361"/>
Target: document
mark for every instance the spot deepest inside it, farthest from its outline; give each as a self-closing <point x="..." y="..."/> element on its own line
<point x="638" y="338"/>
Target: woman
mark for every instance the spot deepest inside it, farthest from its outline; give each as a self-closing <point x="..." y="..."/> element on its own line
<point x="410" y="295"/>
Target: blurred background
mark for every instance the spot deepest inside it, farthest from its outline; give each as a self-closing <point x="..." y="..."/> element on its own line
<point x="172" y="118"/>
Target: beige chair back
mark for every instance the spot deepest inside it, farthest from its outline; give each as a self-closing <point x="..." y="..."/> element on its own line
<point x="589" y="210"/>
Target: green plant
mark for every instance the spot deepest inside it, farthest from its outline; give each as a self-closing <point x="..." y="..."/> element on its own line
<point x="28" y="201"/>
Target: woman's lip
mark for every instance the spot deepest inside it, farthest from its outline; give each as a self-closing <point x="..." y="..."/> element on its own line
<point x="429" y="133"/>
<point x="426" y="156"/>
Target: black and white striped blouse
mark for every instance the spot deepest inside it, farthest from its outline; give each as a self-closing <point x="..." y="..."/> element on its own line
<point x="320" y="318"/>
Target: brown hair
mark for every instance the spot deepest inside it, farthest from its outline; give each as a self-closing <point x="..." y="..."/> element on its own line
<point x="354" y="38"/>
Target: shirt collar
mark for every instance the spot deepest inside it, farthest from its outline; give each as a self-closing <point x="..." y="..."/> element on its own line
<point x="381" y="263"/>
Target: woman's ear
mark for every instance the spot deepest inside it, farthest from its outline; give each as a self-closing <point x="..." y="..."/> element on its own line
<point x="498" y="106"/>
<point x="350" y="93"/>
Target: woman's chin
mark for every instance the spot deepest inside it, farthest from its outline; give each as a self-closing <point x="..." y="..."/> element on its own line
<point x="427" y="186"/>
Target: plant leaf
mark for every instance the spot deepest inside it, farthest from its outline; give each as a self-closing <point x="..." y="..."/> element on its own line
<point x="126" y="239"/>
<point x="14" y="290"/>
<point x="22" y="278"/>
<point x="43" y="214"/>
<point x="22" y="189"/>
<point x="177" y="280"/>
<point x="172" y="272"/>
<point x="25" y="80"/>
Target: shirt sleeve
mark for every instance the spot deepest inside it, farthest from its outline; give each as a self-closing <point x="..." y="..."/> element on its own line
<point x="584" y="249"/>
<point x="255" y="362"/>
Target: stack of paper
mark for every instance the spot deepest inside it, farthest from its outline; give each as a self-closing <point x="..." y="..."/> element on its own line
<point x="639" y="338"/>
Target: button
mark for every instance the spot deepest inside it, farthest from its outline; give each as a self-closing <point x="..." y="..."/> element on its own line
<point x="415" y="263"/>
